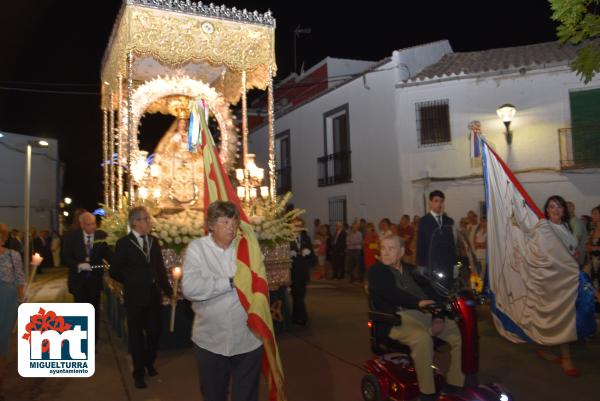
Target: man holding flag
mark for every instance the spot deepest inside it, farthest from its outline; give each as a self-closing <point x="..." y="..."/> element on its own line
<point x="224" y="344"/>
<point x="225" y="278"/>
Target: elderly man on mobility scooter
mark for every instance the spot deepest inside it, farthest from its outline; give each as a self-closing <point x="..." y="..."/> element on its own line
<point x="395" y="288"/>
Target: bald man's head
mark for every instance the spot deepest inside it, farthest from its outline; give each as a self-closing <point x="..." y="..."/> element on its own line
<point x="87" y="222"/>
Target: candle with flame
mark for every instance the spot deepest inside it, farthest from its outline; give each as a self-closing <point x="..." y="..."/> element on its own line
<point x="36" y="259"/>
<point x="176" y="276"/>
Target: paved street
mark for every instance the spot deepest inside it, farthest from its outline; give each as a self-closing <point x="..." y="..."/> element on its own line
<point x="322" y="362"/>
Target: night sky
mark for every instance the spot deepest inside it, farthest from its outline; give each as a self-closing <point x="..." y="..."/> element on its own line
<point x="58" y="46"/>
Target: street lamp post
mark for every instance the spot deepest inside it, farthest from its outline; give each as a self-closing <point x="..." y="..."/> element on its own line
<point x="27" y="199"/>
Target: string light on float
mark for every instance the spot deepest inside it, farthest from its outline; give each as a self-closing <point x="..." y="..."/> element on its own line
<point x="139" y="166"/>
<point x="143" y="193"/>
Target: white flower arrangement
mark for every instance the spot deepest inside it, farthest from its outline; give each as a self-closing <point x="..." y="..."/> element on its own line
<point x="174" y="231"/>
<point x="271" y="223"/>
<point x="178" y="230"/>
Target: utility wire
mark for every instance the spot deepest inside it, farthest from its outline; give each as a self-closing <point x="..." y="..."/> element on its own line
<point x="46" y="83"/>
<point x="54" y="92"/>
<point x="333" y="79"/>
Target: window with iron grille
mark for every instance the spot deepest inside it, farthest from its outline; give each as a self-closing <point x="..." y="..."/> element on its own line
<point x="433" y="122"/>
<point x="337" y="210"/>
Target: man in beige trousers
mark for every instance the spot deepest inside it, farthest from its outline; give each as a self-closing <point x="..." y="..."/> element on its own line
<point x="395" y="288"/>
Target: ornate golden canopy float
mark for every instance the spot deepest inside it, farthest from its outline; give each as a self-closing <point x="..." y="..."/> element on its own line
<point x="161" y="54"/>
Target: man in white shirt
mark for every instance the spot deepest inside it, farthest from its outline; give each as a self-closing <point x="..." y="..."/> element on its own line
<point x="225" y="347"/>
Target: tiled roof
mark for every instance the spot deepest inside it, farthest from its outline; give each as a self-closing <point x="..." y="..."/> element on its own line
<point x="495" y="60"/>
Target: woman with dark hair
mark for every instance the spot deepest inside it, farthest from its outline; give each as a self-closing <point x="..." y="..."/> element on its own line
<point x="385" y="228"/>
<point x="556" y="212"/>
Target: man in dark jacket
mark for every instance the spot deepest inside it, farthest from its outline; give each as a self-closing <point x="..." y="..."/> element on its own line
<point x="303" y="259"/>
<point x="84" y="253"/>
<point x="394" y="287"/>
<point x="338" y="250"/>
<point x="138" y="264"/>
<point x="436" y="248"/>
<point x="14" y="242"/>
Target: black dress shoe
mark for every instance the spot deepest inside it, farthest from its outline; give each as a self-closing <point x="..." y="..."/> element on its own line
<point x="139" y="382"/>
<point x="449" y="389"/>
<point x="151" y="371"/>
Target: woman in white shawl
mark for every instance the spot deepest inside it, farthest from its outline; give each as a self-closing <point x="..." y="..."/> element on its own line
<point x="556" y="212"/>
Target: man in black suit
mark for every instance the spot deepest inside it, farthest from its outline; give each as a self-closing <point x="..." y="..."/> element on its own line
<point x="338" y="250"/>
<point x="303" y="258"/>
<point x="14" y="242"/>
<point x="436" y="249"/>
<point x="81" y="250"/>
<point x="138" y="264"/>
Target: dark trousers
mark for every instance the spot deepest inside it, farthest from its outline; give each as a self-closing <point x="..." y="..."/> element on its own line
<point x="86" y="295"/>
<point x="216" y="370"/>
<point x="300" y="275"/>
<point x="338" y="265"/>
<point x="143" y="323"/>
<point x="353" y="257"/>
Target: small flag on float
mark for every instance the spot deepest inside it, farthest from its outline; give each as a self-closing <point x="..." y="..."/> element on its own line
<point x="475" y="143"/>
<point x="195" y="125"/>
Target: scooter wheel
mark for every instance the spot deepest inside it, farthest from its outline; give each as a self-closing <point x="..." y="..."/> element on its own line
<point x="370" y="388"/>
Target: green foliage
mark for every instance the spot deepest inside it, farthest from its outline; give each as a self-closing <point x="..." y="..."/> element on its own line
<point x="579" y="21"/>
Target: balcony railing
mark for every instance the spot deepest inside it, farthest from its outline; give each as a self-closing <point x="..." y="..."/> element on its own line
<point x="284" y="180"/>
<point x="581" y="150"/>
<point x="334" y="169"/>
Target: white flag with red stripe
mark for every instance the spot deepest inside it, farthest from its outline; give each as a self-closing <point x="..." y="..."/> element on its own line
<point x="533" y="279"/>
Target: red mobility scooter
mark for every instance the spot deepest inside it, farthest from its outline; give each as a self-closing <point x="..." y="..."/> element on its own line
<point x="391" y="375"/>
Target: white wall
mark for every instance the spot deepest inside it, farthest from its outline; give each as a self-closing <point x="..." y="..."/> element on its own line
<point x="337" y="67"/>
<point x="542" y="102"/>
<point x="371" y="133"/>
<point x="388" y="166"/>
<point x="44" y="182"/>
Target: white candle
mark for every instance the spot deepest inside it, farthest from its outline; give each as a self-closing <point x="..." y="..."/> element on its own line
<point x="176" y="276"/>
<point x="239" y="174"/>
<point x="241" y="192"/>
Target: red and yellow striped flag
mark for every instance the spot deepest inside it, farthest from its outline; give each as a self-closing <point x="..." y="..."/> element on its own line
<point x="250" y="278"/>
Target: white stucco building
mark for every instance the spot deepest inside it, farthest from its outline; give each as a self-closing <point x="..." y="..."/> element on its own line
<point x="45" y="182"/>
<point x="377" y="144"/>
